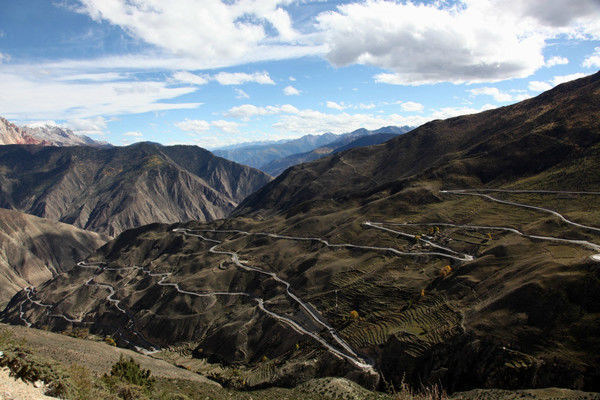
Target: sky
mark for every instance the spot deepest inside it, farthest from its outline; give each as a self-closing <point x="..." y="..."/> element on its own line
<point x="219" y="72"/>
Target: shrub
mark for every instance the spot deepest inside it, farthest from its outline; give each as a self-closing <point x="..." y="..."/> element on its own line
<point x="81" y="333"/>
<point x="354" y="314"/>
<point x="110" y="341"/>
<point x="444" y="272"/>
<point x="131" y="372"/>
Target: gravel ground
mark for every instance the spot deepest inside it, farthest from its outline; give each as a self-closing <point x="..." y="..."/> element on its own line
<point x="96" y="356"/>
<point x="16" y="389"/>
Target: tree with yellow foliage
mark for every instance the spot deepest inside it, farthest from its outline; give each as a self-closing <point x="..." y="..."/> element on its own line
<point x="354" y="315"/>
<point x="444" y="272"/>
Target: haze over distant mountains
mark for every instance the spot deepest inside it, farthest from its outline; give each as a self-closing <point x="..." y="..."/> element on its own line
<point x="108" y="190"/>
<point x="358" y="138"/>
<point x="43" y="134"/>
<point x="269" y="156"/>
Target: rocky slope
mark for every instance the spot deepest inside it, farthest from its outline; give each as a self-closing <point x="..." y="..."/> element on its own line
<point x="46" y="135"/>
<point x="364" y="265"/>
<point x="33" y="250"/>
<point x="109" y="190"/>
<point x="12" y="134"/>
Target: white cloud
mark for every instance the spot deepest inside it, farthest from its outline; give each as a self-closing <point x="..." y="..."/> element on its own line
<point x="224" y="78"/>
<point x="240" y="94"/>
<point x="557" y="80"/>
<point x="421" y="43"/>
<point x="238" y="78"/>
<point x="247" y="111"/>
<point x="193" y="125"/>
<point x="336" y="106"/>
<point x="593" y="60"/>
<point x="291" y="78"/>
<point x="556" y="61"/>
<point x="310" y="121"/>
<point x="133" y="134"/>
<point x="226" y="126"/>
<point x="449" y="112"/>
<point x="4" y="57"/>
<point x="539" y="86"/>
<point x="188" y="77"/>
<point x="92" y="77"/>
<point x="42" y="96"/>
<point x="291" y="91"/>
<point x="368" y="106"/>
<point x="411" y="106"/>
<point x="221" y="33"/>
<point x="494" y="92"/>
<point x="201" y="126"/>
<point x="87" y="126"/>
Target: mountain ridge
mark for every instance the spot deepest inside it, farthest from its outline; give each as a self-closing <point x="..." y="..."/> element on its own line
<point x="112" y="189"/>
<point x="345" y="142"/>
<point x="45" y="135"/>
<point x="259" y="155"/>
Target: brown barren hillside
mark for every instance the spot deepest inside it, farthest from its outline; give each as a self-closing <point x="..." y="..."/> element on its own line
<point x="33" y="249"/>
<point x="109" y="190"/>
<point x="488" y="148"/>
<point x="365" y="265"/>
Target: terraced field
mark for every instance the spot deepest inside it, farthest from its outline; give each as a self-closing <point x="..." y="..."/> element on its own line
<point x="361" y="292"/>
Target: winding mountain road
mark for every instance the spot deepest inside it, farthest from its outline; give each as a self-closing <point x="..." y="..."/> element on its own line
<point x="341" y="348"/>
<point x="512" y="203"/>
<point x="349" y="353"/>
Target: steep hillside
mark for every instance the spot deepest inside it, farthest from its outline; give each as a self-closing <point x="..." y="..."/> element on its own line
<point x="349" y="141"/>
<point x="108" y="190"/>
<point x="465" y="252"/>
<point x="46" y="135"/>
<point x="490" y="148"/>
<point x="33" y="249"/>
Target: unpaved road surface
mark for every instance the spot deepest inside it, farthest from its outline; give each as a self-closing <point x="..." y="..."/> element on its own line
<point x="11" y="388"/>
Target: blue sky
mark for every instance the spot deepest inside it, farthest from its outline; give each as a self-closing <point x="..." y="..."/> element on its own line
<point x="214" y="72"/>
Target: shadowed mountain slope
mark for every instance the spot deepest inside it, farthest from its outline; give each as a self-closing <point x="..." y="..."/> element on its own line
<point x="111" y="189"/>
<point x="33" y="249"/>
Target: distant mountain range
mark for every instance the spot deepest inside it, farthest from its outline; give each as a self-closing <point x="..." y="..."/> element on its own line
<point x="108" y="190"/>
<point x="269" y="156"/>
<point x="358" y="138"/>
<point x="45" y="135"/>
